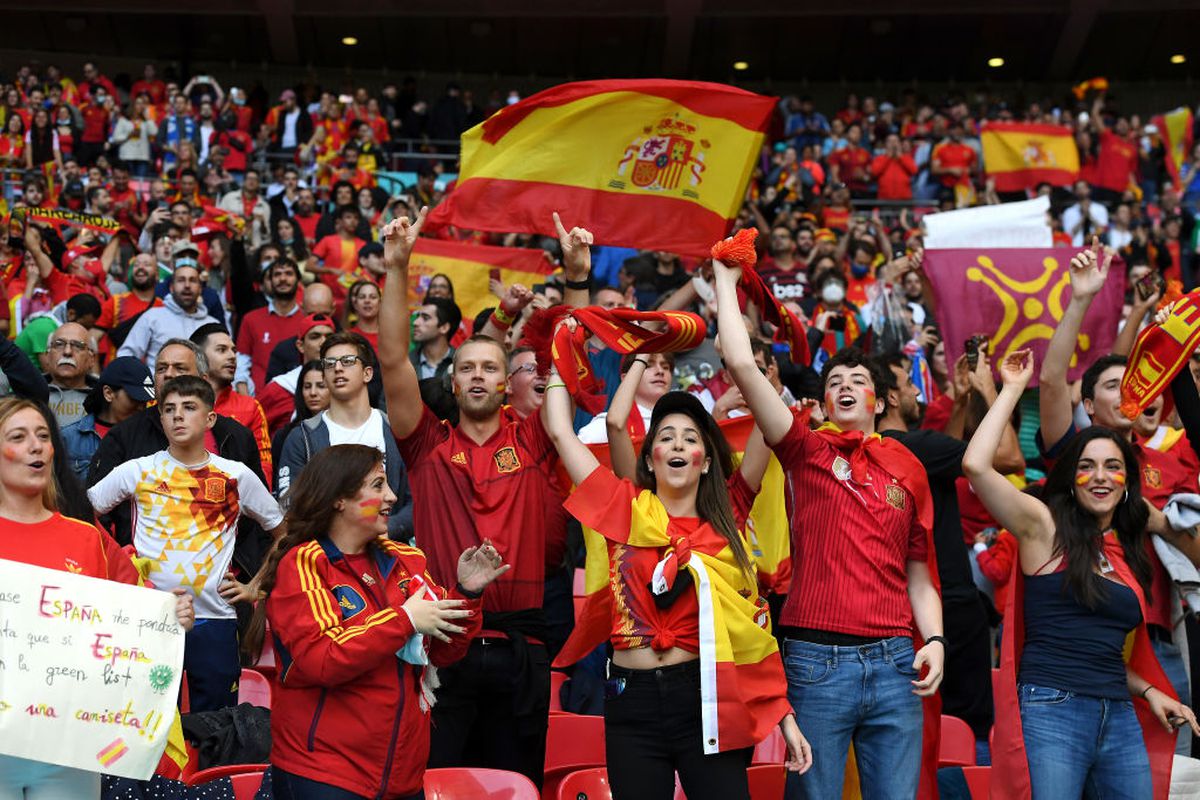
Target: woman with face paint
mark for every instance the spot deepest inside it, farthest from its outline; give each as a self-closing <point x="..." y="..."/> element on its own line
<point x="1067" y="716"/>
<point x="683" y="580"/>
<point x="359" y="627"/>
<point x="32" y="531"/>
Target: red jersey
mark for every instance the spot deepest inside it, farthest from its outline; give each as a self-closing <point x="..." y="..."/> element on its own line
<point x="308" y="226"/>
<point x="338" y="253"/>
<point x="122" y="308"/>
<point x="851" y="541"/>
<point x="955" y="154"/>
<point x="836" y="219"/>
<point x="347" y="711"/>
<point x="95" y="124"/>
<point x="125" y="205"/>
<point x="1117" y="159"/>
<point x="63" y="286"/>
<point x="155" y="89"/>
<point x="244" y="409"/>
<point x="894" y="174"/>
<point x="463" y="492"/>
<point x="66" y="544"/>
<point x="1164" y="474"/>
<point x="853" y="165"/>
<point x="262" y="329"/>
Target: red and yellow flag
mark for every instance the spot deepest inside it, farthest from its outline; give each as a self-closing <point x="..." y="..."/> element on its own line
<point x="469" y="267"/>
<point x="1020" y="155"/>
<point x="1175" y="128"/>
<point x="655" y="164"/>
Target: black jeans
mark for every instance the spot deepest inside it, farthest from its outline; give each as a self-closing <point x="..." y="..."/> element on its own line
<point x="652" y="729"/>
<point x="474" y="721"/>
<point x="286" y="786"/>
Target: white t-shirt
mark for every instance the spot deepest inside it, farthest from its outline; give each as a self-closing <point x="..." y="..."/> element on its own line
<point x="185" y="519"/>
<point x="596" y="431"/>
<point x="369" y="433"/>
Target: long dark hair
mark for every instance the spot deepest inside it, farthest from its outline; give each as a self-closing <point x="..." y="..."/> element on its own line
<point x="335" y="473"/>
<point x="1077" y="534"/>
<point x="712" y="495"/>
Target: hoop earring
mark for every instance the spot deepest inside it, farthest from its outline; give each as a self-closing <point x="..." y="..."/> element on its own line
<point x="1126" y="497"/>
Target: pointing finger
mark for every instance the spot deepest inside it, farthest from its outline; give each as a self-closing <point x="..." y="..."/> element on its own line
<point x="558" y="226"/>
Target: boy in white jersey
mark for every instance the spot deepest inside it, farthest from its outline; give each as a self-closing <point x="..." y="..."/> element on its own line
<point x="186" y="505"/>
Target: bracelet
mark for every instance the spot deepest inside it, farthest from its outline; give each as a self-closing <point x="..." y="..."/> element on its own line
<point x="584" y="284"/>
<point x="645" y="362"/>
<point x="942" y="639"/>
<point x="503" y="317"/>
<point x="468" y="594"/>
<point x="499" y="323"/>
<point x="550" y="386"/>
<point x="1146" y="691"/>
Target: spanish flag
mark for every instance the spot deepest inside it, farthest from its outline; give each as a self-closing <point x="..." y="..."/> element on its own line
<point x="654" y="164"/>
<point x="469" y="267"/>
<point x="1175" y="128"/>
<point x="743" y="691"/>
<point x="1020" y="155"/>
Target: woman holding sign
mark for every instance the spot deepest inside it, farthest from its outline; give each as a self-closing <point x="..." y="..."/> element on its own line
<point x="33" y="532"/>
<point x="351" y="611"/>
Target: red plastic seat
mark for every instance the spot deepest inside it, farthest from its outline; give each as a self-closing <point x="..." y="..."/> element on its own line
<point x="227" y="771"/>
<point x="771" y="750"/>
<point x="979" y="781"/>
<point x="767" y="781"/>
<point x="254" y="688"/>
<point x="557" y="679"/>
<point x="463" y="783"/>
<point x="246" y="786"/>
<point x="586" y="784"/>
<point x="957" y="746"/>
<point x="573" y="742"/>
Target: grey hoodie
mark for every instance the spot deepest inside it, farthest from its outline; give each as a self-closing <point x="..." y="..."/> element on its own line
<point x="157" y="325"/>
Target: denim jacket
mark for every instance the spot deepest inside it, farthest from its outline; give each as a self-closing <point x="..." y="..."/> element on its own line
<point x="81" y="440"/>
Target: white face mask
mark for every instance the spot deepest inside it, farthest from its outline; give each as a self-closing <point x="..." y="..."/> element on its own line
<point x="833" y="292"/>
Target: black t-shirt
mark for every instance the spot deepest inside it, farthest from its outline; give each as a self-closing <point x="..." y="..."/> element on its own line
<point x="942" y="457"/>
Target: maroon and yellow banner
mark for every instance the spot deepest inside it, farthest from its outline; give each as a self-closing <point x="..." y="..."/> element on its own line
<point x="1175" y="128"/>
<point x="654" y="164"/>
<point x="1016" y="298"/>
<point x="1020" y="155"/>
<point x="469" y="267"/>
<point x="1159" y="354"/>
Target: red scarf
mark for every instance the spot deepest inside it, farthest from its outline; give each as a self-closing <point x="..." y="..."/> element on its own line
<point x="623" y="330"/>
<point x="739" y="252"/>
<point x="890" y="456"/>
<point x="1010" y="769"/>
<point x="1159" y="353"/>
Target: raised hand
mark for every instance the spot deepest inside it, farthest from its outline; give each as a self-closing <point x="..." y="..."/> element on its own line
<point x="515" y="299"/>
<point x="399" y="237"/>
<point x="1089" y="270"/>
<point x="576" y="249"/>
<point x="435" y="617"/>
<point x="1017" y="369"/>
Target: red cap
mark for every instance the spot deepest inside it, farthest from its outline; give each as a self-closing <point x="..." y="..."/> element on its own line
<point x="316" y="320"/>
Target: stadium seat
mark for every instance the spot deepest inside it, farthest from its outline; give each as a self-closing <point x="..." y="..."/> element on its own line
<point x="464" y="783"/>
<point x="557" y="679"/>
<point x="573" y="742"/>
<point x="226" y="771"/>
<point x="254" y="688"/>
<point x="957" y="747"/>
<point x="766" y="781"/>
<point x="979" y="781"/>
<point x="586" y="784"/>
<point x="246" y="785"/>
<point x="771" y="750"/>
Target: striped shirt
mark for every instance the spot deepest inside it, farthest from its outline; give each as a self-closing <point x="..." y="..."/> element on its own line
<point x="851" y="542"/>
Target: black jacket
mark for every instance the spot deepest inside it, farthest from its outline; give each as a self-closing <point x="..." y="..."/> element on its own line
<point x="142" y="435"/>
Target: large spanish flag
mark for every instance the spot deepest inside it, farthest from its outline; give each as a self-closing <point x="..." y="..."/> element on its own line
<point x="1020" y="155"/>
<point x="655" y="164"/>
<point x="1175" y="128"/>
<point x="469" y="266"/>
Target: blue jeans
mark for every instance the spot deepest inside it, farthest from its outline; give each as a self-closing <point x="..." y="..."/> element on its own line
<point x="862" y="695"/>
<point x="1170" y="658"/>
<point x="1083" y="746"/>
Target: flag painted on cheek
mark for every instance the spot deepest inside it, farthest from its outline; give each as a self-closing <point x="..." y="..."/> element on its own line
<point x="654" y="164"/>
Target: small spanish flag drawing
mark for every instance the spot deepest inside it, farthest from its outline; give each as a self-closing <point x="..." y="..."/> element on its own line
<point x="113" y="752"/>
<point x="655" y="164"/>
<point x="469" y="267"/>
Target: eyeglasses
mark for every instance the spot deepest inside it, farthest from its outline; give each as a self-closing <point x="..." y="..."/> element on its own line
<point x="345" y="361"/>
<point x="530" y="368"/>
<point x="69" y="344"/>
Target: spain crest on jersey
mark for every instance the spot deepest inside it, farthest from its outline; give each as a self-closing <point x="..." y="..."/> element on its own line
<point x="665" y="156"/>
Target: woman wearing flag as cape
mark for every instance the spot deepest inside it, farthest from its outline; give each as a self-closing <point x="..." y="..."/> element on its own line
<point x="687" y="621"/>
<point x="1085" y="720"/>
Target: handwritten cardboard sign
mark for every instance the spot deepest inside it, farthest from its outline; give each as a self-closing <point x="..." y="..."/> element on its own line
<point x="89" y="670"/>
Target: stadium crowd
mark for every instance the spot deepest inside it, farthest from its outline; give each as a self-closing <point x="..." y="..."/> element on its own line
<point x="203" y="288"/>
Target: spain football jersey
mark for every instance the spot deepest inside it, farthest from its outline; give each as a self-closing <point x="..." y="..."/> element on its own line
<point x="185" y="519"/>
